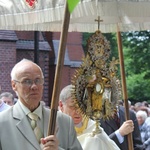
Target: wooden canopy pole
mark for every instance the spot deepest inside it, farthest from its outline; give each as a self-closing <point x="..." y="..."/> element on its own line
<point x="124" y="89"/>
<point x="60" y="63"/>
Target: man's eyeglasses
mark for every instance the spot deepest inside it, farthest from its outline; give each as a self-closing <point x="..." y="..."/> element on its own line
<point x="29" y="82"/>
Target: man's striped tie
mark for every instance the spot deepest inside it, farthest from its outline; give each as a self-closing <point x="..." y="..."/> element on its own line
<point x="36" y="129"/>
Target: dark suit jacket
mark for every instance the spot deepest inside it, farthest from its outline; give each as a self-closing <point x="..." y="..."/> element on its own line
<point x="110" y="127"/>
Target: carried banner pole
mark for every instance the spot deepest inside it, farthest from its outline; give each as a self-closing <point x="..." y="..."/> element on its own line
<point x="124" y="89"/>
<point x="59" y="66"/>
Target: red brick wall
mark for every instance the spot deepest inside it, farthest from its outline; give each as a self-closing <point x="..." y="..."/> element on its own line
<point x="65" y="76"/>
<point x="75" y="52"/>
<point x="27" y="35"/>
<point x="7" y="61"/>
<point x="73" y="37"/>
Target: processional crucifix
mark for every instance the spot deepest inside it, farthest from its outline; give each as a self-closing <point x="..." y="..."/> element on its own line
<point x="98" y="20"/>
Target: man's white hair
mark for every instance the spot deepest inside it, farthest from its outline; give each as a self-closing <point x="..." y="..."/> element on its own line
<point x="65" y="93"/>
<point x="14" y="69"/>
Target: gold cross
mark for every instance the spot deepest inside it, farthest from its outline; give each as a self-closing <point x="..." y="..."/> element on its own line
<point x="98" y="20"/>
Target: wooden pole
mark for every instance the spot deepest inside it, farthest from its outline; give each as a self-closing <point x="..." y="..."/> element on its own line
<point x="60" y="63"/>
<point x="124" y="89"/>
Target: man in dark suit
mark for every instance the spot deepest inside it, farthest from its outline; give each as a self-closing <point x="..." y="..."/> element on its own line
<point x="119" y="133"/>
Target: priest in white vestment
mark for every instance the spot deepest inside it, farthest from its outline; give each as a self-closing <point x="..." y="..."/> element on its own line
<point x="84" y="126"/>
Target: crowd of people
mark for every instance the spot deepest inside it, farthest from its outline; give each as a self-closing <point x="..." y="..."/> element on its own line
<point x="73" y="129"/>
<point x="142" y="111"/>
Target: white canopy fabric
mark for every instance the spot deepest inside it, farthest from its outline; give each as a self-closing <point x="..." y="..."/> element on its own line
<point x="130" y="15"/>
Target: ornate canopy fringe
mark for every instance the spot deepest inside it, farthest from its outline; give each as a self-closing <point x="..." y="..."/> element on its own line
<point x="130" y="15"/>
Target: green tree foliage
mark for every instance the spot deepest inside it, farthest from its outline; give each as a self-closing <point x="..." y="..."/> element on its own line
<point x="138" y="88"/>
<point x="85" y="37"/>
<point x="136" y="47"/>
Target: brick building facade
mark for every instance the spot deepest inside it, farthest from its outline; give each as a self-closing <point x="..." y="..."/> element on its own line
<point x="16" y="45"/>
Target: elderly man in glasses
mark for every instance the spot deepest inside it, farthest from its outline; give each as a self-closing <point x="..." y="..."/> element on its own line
<point x="25" y="125"/>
